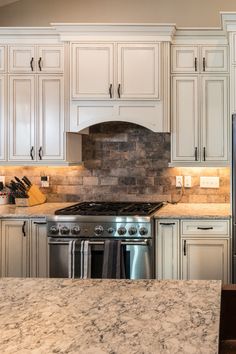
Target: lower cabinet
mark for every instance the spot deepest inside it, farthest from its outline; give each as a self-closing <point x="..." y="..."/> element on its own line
<point x="23" y="248"/>
<point x="197" y="249"/>
<point x="167" y="249"/>
<point x="39" y="255"/>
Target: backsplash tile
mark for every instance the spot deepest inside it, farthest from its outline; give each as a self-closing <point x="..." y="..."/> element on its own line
<point x="125" y="162"/>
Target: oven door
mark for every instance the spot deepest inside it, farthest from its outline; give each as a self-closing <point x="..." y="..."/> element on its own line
<point x="65" y="258"/>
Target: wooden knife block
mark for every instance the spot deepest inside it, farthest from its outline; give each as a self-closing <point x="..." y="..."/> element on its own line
<point x="35" y="197"/>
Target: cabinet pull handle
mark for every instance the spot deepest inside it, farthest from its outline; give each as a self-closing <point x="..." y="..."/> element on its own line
<point x="31" y="152"/>
<point x="184" y="247"/>
<point x="195" y="63"/>
<point x="204" y="64"/>
<point x="40" y="153"/>
<point x="110" y="90"/>
<point x="195" y="153"/>
<point x="205" y="228"/>
<point x="31" y="64"/>
<point x="204" y="154"/>
<point x="39" y="64"/>
<point x="23" y="229"/>
<point x="40" y="223"/>
<point x="118" y="90"/>
<point x="167" y="223"/>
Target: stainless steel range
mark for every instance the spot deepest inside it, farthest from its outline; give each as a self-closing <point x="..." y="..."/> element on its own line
<point x="80" y="236"/>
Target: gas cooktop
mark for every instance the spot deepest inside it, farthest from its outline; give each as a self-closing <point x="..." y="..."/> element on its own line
<point x="111" y="208"/>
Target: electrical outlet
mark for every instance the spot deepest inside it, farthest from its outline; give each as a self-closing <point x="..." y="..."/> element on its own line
<point x="187" y="181"/>
<point x="45" y="181"/>
<point x="209" y="182"/>
<point x="179" y="181"/>
<point x="2" y="179"/>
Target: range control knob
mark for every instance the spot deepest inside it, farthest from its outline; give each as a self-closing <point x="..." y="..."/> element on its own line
<point x="143" y="231"/>
<point x="65" y="230"/>
<point x="75" y="230"/>
<point x="98" y="229"/>
<point x="132" y="230"/>
<point x="122" y="230"/>
<point x="54" y="230"/>
<point x="110" y="230"/>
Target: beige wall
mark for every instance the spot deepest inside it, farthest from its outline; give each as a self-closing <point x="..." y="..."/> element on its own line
<point x="182" y="12"/>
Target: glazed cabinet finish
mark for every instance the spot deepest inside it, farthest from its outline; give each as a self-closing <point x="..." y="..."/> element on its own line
<point x="200" y="119"/>
<point x="199" y="59"/>
<point x="39" y="255"/>
<point x="36" y="118"/>
<point x="167" y="249"/>
<point x="3" y="113"/>
<point x="36" y="59"/>
<point x="3" y="52"/>
<point x="115" y="71"/>
<point x="15" y="247"/>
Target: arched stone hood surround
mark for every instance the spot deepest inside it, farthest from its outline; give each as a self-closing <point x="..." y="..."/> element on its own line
<point x="135" y="84"/>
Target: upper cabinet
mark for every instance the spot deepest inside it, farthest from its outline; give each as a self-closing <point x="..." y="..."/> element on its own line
<point x="33" y="58"/>
<point x="2" y="118"/>
<point x="115" y="71"/>
<point x="199" y="59"/>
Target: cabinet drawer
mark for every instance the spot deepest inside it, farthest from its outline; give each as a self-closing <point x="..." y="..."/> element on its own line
<point x="204" y="227"/>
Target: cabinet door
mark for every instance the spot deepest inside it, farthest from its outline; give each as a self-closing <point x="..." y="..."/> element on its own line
<point x="92" y="71"/>
<point x="39" y="255"/>
<point x="51" y="117"/>
<point x="167" y="249"/>
<point x="22" y="118"/>
<point x="2" y="59"/>
<point x="214" y="118"/>
<point x="15" y="248"/>
<point x="205" y="259"/>
<point x="214" y="59"/>
<point x="2" y="118"/>
<point x="185" y="119"/>
<point x="22" y="59"/>
<point x="138" y="71"/>
<point x="184" y="59"/>
<point x="50" y="59"/>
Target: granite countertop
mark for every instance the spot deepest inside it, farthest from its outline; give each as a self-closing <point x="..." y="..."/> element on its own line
<point x="109" y="316"/>
<point x="195" y="210"/>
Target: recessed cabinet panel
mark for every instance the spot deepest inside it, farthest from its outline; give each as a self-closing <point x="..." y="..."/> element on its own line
<point x="22" y="59"/>
<point x="51" y="117"/>
<point x="39" y="255"/>
<point x="92" y="68"/>
<point x="50" y="59"/>
<point x="214" y="118"/>
<point x="2" y="59"/>
<point x="185" y="118"/>
<point x="184" y="59"/>
<point x="138" y="71"/>
<point x="21" y="118"/>
<point x="214" y="59"/>
<point x="2" y="117"/>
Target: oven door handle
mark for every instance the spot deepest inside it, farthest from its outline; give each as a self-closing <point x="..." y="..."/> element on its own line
<point x="125" y="243"/>
<point x="59" y="242"/>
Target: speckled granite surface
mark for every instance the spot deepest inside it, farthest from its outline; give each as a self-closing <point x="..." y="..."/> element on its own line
<point x="204" y="210"/>
<point x="109" y="316"/>
<point x="181" y="210"/>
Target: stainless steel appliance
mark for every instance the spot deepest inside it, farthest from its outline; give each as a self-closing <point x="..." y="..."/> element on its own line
<point x="95" y="222"/>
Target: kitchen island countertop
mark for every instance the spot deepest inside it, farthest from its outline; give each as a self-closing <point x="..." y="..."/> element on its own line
<point x="109" y="316"/>
<point x="195" y="210"/>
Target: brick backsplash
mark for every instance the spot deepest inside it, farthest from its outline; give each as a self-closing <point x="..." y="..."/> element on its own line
<point x="125" y="162"/>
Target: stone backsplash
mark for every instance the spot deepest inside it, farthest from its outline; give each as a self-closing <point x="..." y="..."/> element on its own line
<point x="125" y="162"/>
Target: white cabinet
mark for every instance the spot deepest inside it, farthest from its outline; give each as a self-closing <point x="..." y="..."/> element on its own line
<point x="205" y="246"/>
<point x="167" y="249"/>
<point x="2" y="58"/>
<point x="2" y="117"/>
<point x="190" y="59"/>
<point x="15" y="241"/>
<point x="200" y="119"/>
<point x="39" y="250"/>
<point x="36" y="118"/>
<point x="33" y="58"/>
<point x="115" y="71"/>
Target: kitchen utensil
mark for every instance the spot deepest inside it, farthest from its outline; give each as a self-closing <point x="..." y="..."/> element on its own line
<point x="20" y="183"/>
<point x="27" y="181"/>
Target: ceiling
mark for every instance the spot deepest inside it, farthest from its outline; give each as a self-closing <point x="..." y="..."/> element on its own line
<point x="6" y="2"/>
